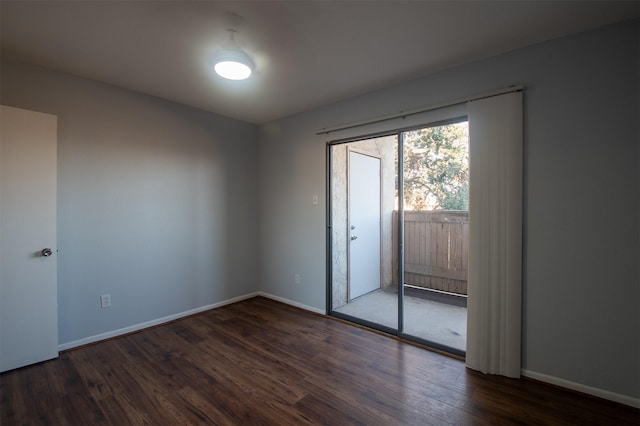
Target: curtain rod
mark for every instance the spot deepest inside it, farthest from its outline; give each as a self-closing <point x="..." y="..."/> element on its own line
<point x="403" y="114"/>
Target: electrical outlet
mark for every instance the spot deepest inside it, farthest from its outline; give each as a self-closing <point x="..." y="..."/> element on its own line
<point x="105" y="300"/>
<point x="297" y="278"/>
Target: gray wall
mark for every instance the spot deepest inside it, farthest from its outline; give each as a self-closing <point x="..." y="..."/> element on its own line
<point x="156" y="201"/>
<point x="581" y="279"/>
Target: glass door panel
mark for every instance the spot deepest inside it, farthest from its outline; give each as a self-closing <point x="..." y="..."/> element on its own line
<point x="436" y="228"/>
<point x="363" y="199"/>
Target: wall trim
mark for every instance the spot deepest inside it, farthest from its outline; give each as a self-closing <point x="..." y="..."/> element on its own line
<point x="600" y="393"/>
<point x="152" y="323"/>
<point x="291" y="302"/>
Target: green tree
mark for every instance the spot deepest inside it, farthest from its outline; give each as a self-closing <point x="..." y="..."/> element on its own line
<point x="436" y="168"/>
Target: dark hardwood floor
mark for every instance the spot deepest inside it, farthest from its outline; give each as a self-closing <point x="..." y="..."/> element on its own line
<point x="261" y="362"/>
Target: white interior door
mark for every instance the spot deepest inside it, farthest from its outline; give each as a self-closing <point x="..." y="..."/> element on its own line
<point x="364" y="224"/>
<point x="28" y="272"/>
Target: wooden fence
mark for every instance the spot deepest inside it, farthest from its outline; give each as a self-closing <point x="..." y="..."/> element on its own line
<point x="436" y="249"/>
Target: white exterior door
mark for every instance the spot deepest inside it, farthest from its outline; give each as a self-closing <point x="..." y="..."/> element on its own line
<point x="28" y="267"/>
<point x="364" y="224"/>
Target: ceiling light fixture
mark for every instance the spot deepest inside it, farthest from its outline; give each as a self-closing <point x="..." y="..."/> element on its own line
<point x="232" y="62"/>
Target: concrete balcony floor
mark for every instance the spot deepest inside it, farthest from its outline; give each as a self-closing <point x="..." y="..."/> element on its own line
<point x="434" y="321"/>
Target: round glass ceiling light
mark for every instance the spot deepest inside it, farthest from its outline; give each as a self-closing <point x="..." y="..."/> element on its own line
<point x="232" y="70"/>
<point x="233" y="64"/>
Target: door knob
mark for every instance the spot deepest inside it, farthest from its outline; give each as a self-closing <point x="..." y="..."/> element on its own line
<point x="355" y="237"/>
<point x="46" y="252"/>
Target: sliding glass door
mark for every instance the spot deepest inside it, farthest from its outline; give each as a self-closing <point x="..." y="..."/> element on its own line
<point x="397" y="230"/>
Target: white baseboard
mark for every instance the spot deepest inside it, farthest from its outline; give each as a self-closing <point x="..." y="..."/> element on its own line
<point x="147" y="324"/>
<point x="600" y="393"/>
<point x="292" y="303"/>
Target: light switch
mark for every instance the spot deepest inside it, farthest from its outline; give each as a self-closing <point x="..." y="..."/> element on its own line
<point x="315" y="199"/>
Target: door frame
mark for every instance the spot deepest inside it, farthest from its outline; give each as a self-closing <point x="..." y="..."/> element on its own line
<point x="379" y="158"/>
<point x="453" y="117"/>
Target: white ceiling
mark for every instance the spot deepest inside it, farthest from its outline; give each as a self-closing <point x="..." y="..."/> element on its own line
<point x="308" y="53"/>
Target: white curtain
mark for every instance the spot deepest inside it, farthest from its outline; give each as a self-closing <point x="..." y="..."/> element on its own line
<point x="495" y="235"/>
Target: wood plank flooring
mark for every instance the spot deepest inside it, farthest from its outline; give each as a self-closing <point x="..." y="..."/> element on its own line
<point x="259" y="362"/>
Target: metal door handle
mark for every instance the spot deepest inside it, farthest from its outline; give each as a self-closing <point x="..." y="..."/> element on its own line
<point x="355" y="237"/>
<point x="46" y="252"/>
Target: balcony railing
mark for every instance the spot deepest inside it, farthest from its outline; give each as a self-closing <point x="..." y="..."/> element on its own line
<point x="436" y="249"/>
